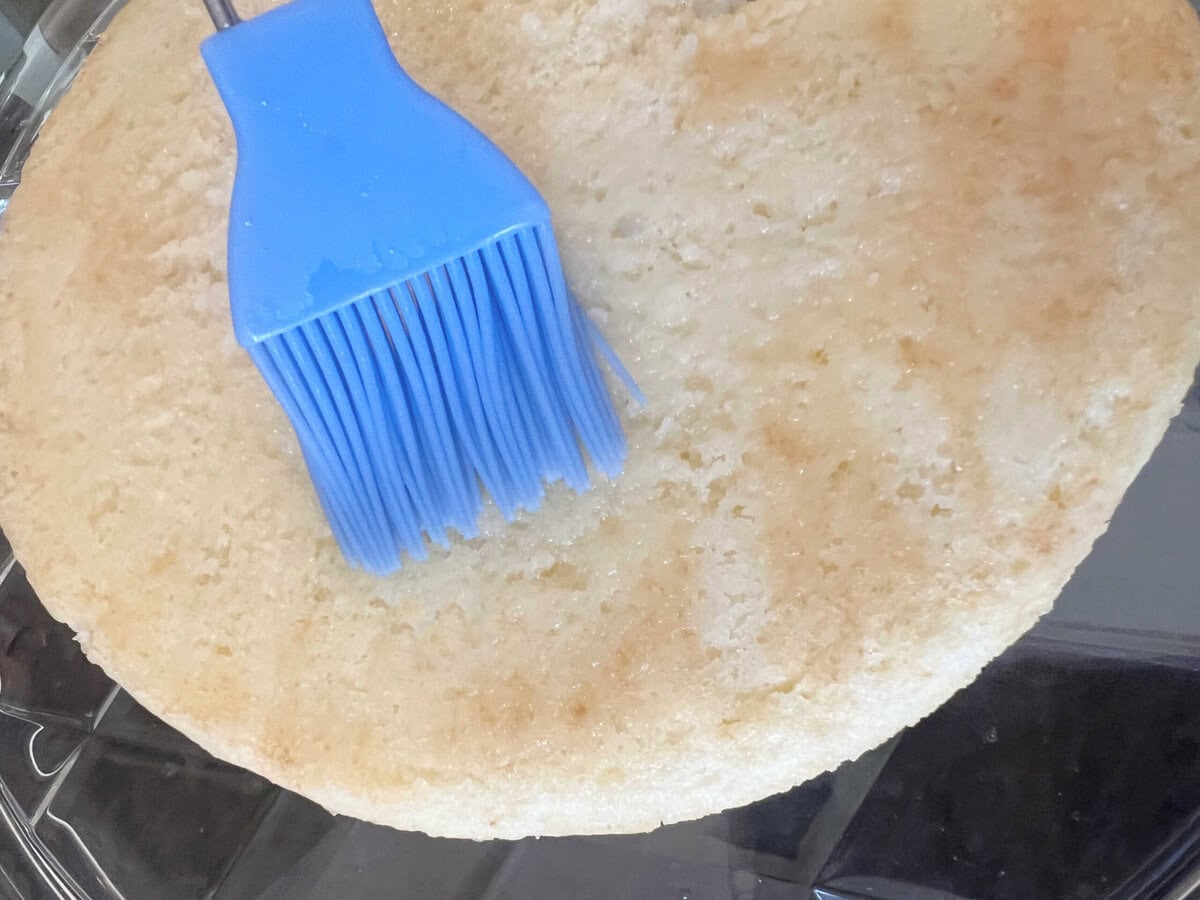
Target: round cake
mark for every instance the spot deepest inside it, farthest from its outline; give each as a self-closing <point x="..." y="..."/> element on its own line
<point x="911" y="286"/>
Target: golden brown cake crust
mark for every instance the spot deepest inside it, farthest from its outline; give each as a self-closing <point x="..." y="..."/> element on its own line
<point x="912" y="287"/>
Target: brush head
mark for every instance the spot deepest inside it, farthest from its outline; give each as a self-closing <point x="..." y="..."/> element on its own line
<point x="395" y="278"/>
<point x="479" y="372"/>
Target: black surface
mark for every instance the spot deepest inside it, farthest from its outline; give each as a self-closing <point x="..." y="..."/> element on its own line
<point x="42" y="672"/>
<point x="1056" y="775"/>
<point x="159" y="825"/>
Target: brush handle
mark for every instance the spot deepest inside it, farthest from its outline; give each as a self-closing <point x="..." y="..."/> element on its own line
<point x="350" y="177"/>
<point x="222" y="13"/>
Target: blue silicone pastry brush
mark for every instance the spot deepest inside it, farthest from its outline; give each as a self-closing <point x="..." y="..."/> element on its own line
<point x="396" y="280"/>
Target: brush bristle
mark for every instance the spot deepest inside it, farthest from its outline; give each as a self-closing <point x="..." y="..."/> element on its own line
<point x="477" y="375"/>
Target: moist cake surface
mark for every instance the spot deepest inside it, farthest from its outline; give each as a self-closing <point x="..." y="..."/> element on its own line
<point x="911" y="286"/>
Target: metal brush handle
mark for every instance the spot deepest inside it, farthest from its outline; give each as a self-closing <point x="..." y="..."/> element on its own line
<point x="222" y="13"/>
